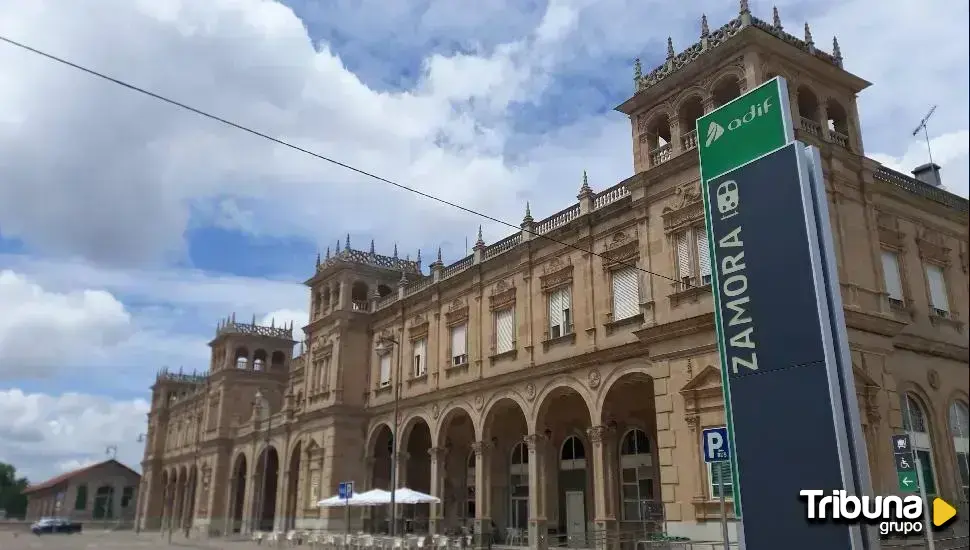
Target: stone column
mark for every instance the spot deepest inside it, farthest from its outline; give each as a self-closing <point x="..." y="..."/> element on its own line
<point x="483" y="497"/>
<point x="282" y="522"/>
<point x="604" y="515"/>
<point x="538" y="531"/>
<point x="438" y="459"/>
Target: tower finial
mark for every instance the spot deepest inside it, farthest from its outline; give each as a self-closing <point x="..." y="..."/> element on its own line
<point x="637" y="71"/>
<point x="395" y="251"/>
<point x="328" y="252"/>
<point x="254" y="320"/>
<point x="480" y="235"/>
<point x="585" y="189"/>
<point x="808" y="35"/>
<point x="745" y="9"/>
<point x="336" y="249"/>
<point x="705" y="30"/>
<point x="372" y="247"/>
<point x="776" y="19"/>
<point x="439" y="255"/>
<point x="318" y="259"/>
<point x="836" y="50"/>
<point x="419" y="259"/>
<point x="347" y="243"/>
<point x="670" y="48"/>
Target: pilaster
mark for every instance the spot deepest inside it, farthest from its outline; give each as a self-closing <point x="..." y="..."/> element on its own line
<point x="438" y="460"/>
<point x="538" y="529"/>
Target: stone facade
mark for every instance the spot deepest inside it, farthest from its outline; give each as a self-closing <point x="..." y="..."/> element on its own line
<point x="556" y="381"/>
<point x="104" y="492"/>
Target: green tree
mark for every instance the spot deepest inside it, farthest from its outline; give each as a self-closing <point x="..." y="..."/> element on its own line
<point x="12" y="497"/>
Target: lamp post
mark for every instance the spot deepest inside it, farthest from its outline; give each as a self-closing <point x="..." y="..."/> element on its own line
<point x="385" y="344"/>
<point x="141" y="490"/>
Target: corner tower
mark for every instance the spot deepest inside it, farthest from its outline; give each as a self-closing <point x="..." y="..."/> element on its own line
<point x="726" y="62"/>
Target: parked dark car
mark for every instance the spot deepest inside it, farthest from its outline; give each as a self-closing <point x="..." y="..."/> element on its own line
<point x="55" y="525"/>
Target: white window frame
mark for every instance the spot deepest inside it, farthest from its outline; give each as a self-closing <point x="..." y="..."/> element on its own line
<point x="458" y="359"/>
<point x="559" y="311"/>
<point x="891" y="267"/>
<point x="689" y="262"/>
<point x="940" y="299"/>
<point x="724" y="468"/>
<point x="960" y="436"/>
<point x="498" y="316"/>
<point x="419" y="357"/>
<point x="634" y="309"/>
<point x="384" y="370"/>
<point x="920" y="438"/>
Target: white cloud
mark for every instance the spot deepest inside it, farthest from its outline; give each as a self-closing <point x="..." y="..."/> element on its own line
<point x="40" y="330"/>
<point x="949" y="151"/>
<point x="43" y="435"/>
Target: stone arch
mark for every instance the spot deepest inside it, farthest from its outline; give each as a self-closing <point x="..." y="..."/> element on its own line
<point x="723" y="83"/>
<point x="373" y="433"/>
<point x="838" y="116"/>
<point x="612" y="377"/>
<point x="410" y="421"/>
<point x="500" y="396"/>
<point x="554" y="386"/>
<point x="496" y="407"/>
<point x="448" y="414"/>
<point x="694" y="91"/>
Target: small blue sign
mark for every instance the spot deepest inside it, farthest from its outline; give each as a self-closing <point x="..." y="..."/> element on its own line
<point x="715" y="443"/>
<point x="345" y="490"/>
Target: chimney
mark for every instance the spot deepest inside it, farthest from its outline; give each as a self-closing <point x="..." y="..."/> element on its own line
<point x="928" y="173"/>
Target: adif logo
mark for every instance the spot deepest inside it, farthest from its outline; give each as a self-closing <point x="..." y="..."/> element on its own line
<point x="715" y="131"/>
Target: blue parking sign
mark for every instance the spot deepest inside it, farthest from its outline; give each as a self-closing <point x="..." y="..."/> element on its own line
<point x="715" y="444"/>
<point x="345" y="490"/>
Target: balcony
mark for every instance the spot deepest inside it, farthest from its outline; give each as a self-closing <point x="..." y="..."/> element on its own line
<point x="689" y="140"/>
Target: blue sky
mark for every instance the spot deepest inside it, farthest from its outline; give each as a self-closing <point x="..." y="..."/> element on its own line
<point x="129" y="228"/>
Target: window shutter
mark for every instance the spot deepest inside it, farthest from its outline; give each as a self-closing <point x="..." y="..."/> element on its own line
<point x="890" y="268"/>
<point x="683" y="256"/>
<point x="626" y="293"/>
<point x="703" y="253"/>
<point x="555" y="308"/>
<point x="458" y="341"/>
<point x="504" y="330"/>
<point x="385" y="369"/>
<point x="566" y="307"/>
<point x="420" y="347"/>
<point x="934" y="275"/>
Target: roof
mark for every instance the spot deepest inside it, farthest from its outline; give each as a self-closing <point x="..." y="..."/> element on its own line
<point x="67" y="476"/>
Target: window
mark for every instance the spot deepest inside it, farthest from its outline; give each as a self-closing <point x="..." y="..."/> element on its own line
<point x="419" y="351"/>
<point x="505" y="330"/>
<point x="127" y="494"/>
<point x="470" y="487"/>
<point x="693" y="257"/>
<point x="560" y="315"/>
<point x="938" y="298"/>
<point x="459" y="337"/>
<point x="324" y="382"/>
<point x="104" y="503"/>
<point x="572" y="455"/>
<point x="960" y="432"/>
<point x="915" y="423"/>
<point x="890" y="269"/>
<point x="519" y="487"/>
<point x="636" y="476"/>
<point x="385" y="370"/>
<point x="81" y="497"/>
<point x="626" y="293"/>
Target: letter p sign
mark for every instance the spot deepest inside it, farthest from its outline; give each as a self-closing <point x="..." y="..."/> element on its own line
<point x="715" y="443"/>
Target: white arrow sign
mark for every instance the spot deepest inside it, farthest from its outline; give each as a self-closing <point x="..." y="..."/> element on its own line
<point x="907" y="481"/>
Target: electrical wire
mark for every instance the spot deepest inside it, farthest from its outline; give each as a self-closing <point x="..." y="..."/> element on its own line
<point x="319" y="156"/>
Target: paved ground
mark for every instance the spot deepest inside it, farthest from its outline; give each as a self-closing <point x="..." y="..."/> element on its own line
<point x="113" y="541"/>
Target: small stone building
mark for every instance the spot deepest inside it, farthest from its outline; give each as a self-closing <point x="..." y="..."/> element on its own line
<point x="106" y="491"/>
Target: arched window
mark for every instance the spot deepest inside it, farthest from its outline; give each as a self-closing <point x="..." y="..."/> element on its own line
<point x="918" y="426"/>
<point x="259" y="360"/>
<point x="636" y="475"/>
<point x="469" y="511"/>
<point x="572" y="455"/>
<point x="519" y="487"/>
<point x="960" y="432"/>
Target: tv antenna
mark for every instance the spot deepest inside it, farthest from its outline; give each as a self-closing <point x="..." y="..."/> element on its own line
<point x="111" y="451"/>
<point x="926" y="134"/>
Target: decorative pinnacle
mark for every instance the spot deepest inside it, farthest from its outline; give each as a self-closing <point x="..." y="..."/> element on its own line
<point x="527" y="219"/>
<point x="372" y="247"/>
<point x="637" y="70"/>
<point x="404" y="279"/>
<point x="439" y="256"/>
<point x="347" y="243"/>
<point x="670" y="48"/>
<point x="395" y="251"/>
<point x="745" y="9"/>
<point x="808" y="35"/>
<point x="776" y="19"/>
<point x="705" y="30"/>
<point x="254" y="320"/>
<point x="836" y="50"/>
<point x="328" y="252"/>
<point x="336" y="249"/>
<point x="480" y="242"/>
<point x="318" y="259"/>
<point x="585" y="189"/>
<point x="419" y="258"/>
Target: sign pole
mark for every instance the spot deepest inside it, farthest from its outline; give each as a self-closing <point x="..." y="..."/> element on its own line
<point x="930" y="543"/>
<point x="724" y="524"/>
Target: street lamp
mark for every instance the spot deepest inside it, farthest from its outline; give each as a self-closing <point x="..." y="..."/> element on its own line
<point x="141" y="489"/>
<point x="385" y="344"/>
